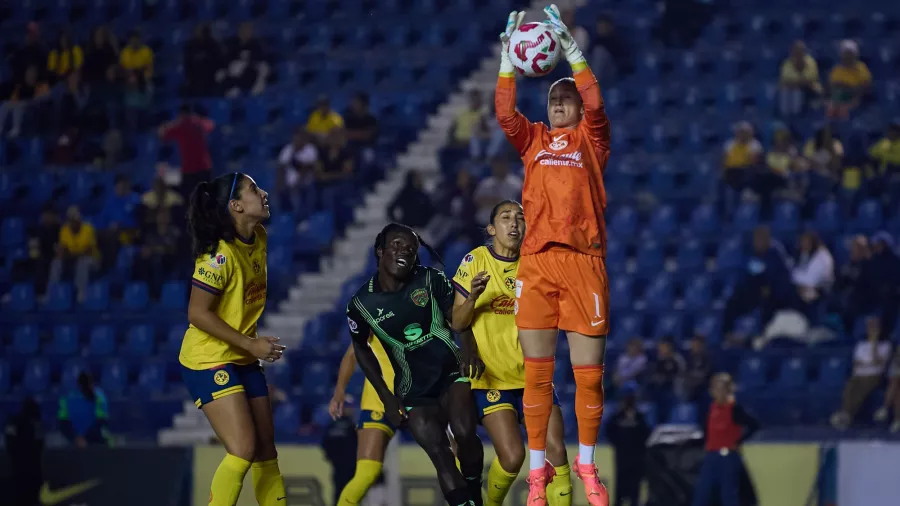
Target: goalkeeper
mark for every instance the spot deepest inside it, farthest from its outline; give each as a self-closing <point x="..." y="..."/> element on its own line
<point x="561" y="282"/>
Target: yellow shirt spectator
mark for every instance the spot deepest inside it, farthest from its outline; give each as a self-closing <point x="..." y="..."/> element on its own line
<point x="886" y="152"/>
<point x="466" y="124"/>
<point x="809" y="73"/>
<point x="61" y="62"/>
<point x="137" y="59"/>
<point x="321" y="122"/>
<point x="742" y="154"/>
<point x="854" y="76"/>
<point x="80" y="243"/>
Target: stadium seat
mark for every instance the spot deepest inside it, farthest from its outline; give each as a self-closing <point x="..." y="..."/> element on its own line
<point x="746" y="218"/>
<point x="316" y="379"/>
<point x="36" y="378"/>
<point x="59" y="298"/>
<point x="136" y="296"/>
<point x="173" y="296"/>
<point x="730" y="255"/>
<point x="793" y="373"/>
<point x="621" y="293"/>
<point x="624" y="223"/>
<point x="4" y="376"/>
<point x="709" y="326"/>
<point x="21" y="298"/>
<point x="649" y="258"/>
<point x="684" y="413"/>
<point x="869" y="217"/>
<point x="102" y="341"/>
<point x="68" y="379"/>
<point x="659" y="294"/>
<point x="690" y="257"/>
<point x="669" y="326"/>
<point x="664" y="222"/>
<point x="626" y="328"/>
<point x="286" y="418"/>
<point x="12" y="232"/>
<point x="139" y="341"/>
<point x="174" y="338"/>
<point x="114" y="377"/>
<point x="698" y="294"/>
<point x="26" y="340"/>
<point x="65" y="340"/>
<point x="833" y="372"/>
<point x="96" y="297"/>
<point x="151" y="378"/>
<point x="827" y="220"/>
<point x="752" y="373"/>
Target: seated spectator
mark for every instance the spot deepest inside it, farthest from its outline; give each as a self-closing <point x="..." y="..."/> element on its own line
<point x="500" y="185"/>
<point x="323" y="119"/>
<point x="334" y="164"/>
<point x="73" y="106"/>
<point x="781" y="160"/>
<point x="764" y="284"/>
<point x="19" y="97"/>
<point x="891" y="404"/>
<point x="886" y="263"/>
<point x="854" y="289"/>
<point x="813" y="274"/>
<point x="361" y="128"/>
<point x="457" y="207"/>
<point x="77" y="253"/>
<point x="101" y="55"/>
<point x="824" y="155"/>
<point x="136" y="101"/>
<point x="798" y="81"/>
<point x="611" y="54"/>
<point x="202" y="59"/>
<point x="65" y="58"/>
<point x="246" y="70"/>
<point x="161" y="198"/>
<point x="118" y="220"/>
<point x="296" y="175"/>
<point x="849" y="81"/>
<point x="104" y="109"/>
<point x="470" y="126"/>
<point x="162" y="244"/>
<point x="412" y="206"/>
<point x="84" y="414"/>
<point x="742" y="154"/>
<point x="137" y="57"/>
<point x="870" y="358"/>
<point x="42" y="240"/>
<point x="31" y="54"/>
<point x="885" y="154"/>
<point x="698" y="369"/>
<point x="666" y="376"/>
<point x="632" y="364"/>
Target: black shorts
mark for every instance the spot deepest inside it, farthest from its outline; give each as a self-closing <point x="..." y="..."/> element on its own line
<point x="433" y="394"/>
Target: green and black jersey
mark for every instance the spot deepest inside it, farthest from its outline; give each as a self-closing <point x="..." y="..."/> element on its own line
<point x="412" y="325"/>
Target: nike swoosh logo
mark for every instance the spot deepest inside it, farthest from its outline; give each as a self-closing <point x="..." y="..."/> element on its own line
<point x="558" y="137"/>
<point x="281" y="498"/>
<point x="53" y="497"/>
<point x="508" y="270"/>
<point x="595" y="407"/>
<point x="527" y="406"/>
<point x="563" y="494"/>
<point x="594" y="324"/>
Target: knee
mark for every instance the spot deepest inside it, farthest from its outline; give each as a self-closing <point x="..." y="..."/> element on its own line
<point x="511" y="459"/>
<point x="243" y="447"/>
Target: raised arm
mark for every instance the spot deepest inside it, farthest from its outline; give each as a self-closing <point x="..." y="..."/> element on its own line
<point x="515" y="125"/>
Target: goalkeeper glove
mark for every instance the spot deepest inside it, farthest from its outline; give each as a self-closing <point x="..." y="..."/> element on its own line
<point x="570" y="48"/>
<point x="512" y="24"/>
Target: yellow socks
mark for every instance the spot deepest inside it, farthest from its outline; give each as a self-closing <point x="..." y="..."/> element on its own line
<point x="228" y="480"/>
<point x="367" y="471"/>
<point x="268" y="484"/>
<point x="498" y="483"/>
<point x="559" y="491"/>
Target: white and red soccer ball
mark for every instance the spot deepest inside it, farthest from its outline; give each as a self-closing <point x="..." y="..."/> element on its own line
<point x="534" y="49"/>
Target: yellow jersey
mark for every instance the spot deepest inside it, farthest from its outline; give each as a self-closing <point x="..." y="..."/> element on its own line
<point x="494" y="321"/>
<point x="370" y="400"/>
<point x="237" y="273"/>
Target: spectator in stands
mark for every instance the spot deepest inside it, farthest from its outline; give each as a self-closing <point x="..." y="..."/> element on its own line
<point x="189" y="131"/>
<point x="84" y="414"/>
<point x="104" y="108"/>
<point x="102" y="54"/>
<point x="73" y="105"/>
<point x="246" y="70"/>
<point x="891" y="404"/>
<point x="886" y="263"/>
<point x="137" y="57"/>
<point x="161" y="198"/>
<point x="611" y="54"/>
<point x="500" y="185"/>
<point x="824" y="155"/>
<point x="458" y="204"/>
<point x="334" y="164"/>
<point x="813" y="274"/>
<point x="798" y="81"/>
<point x="855" y="286"/>
<point x="361" y="127"/>
<point x="781" y="160"/>
<point x="632" y="364"/>
<point x="161" y="245"/>
<point x="764" y="284"/>
<point x="581" y="36"/>
<point x="470" y="126"/>
<point x="339" y="445"/>
<point x="323" y="120"/>
<point x="412" y="206"/>
<point x="295" y="180"/>
<point x="870" y="358"/>
<point x="202" y="59"/>
<point x="741" y="156"/>
<point x="76" y="252"/>
<point x="31" y="54"/>
<point x="21" y="96"/>
<point x="136" y="101"/>
<point x="24" y="438"/>
<point x="666" y="377"/>
<point x="885" y="157"/>
<point x="698" y="368"/>
<point x="118" y="220"/>
<point x="849" y="81"/>
<point x="627" y="432"/>
<point x="42" y="240"/>
<point x="65" y="58"/>
<point x="682" y="21"/>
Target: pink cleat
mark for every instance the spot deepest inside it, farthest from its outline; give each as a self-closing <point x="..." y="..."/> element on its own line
<point x="594" y="490"/>
<point x="537" y="485"/>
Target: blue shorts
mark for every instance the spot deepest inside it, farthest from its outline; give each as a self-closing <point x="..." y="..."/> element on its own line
<point x="208" y="385"/>
<point x="493" y="400"/>
<point x="369" y="419"/>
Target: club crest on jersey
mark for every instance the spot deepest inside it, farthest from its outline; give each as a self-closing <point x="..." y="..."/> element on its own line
<point x="493" y="395"/>
<point x="377" y="415"/>
<point x="419" y="297"/>
<point x="559" y="143"/>
<point x="510" y="283"/>
<point x="256" y="267"/>
<point x="221" y="378"/>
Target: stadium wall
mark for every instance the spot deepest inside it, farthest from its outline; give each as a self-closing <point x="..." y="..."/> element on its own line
<point x="783" y="475"/>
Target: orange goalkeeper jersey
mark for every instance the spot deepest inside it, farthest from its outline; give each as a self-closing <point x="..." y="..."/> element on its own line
<point x="564" y="197"/>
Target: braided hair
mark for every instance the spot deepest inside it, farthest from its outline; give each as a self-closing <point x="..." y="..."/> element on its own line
<point x="208" y="218"/>
<point x="381" y="241"/>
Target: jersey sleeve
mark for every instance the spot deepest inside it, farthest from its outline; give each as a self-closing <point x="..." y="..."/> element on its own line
<point x="595" y="122"/>
<point x="212" y="272"/>
<point x="515" y="125"/>
<point x="442" y="291"/>
<point x="356" y="324"/>
<point x="462" y="281"/>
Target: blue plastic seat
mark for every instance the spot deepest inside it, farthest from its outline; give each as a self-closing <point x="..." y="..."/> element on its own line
<point x="833" y="372"/>
<point x="65" y="340"/>
<point x="710" y="327"/>
<point x="286" y="418"/>
<point x="730" y="255"/>
<point x="12" y="232"/>
<point x="21" y="298"/>
<point x="621" y="293"/>
<point x="318" y="233"/>
<point x="664" y="222"/>
<point x="315" y="379"/>
<point x="114" y="377"/>
<point x="684" y="413"/>
<point x="748" y="326"/>
<point x="136" y="296"/>
<point x="36" y="378"/>
<point x="26" y="340"/>
<point x="698" y="294"/>
<point x="102" y="341"/>
<point x="869" y="217"/>
<point x="151" y="377"/>
<point x="59" y="298"/>
<point x="704" y="221"/>
<point x="71" y="369"/>
<point x="649" y="258"/>
<point x="691" y="258"/>
<point x="752" y="373"/>
<point x="96" y="297"/>
<point x="624" y="223"/>
<point x="174" y="338"/>
<point x="140" y="341"/>
<point x="659" y="294"/>
<point x="793" y="373"/>
<point x="669" y="325"/>
<point x="627" y="327"/>
<point x="746" y="217"/>
<point x="786" y="220"/>
<point x="173" y="295"/>
<point x="615" y="255"/>
<point x="4" y="376"/>
<point x="827" y="220"/>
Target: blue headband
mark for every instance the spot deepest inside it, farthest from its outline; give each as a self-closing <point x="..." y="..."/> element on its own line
<point x="231" y="193"/>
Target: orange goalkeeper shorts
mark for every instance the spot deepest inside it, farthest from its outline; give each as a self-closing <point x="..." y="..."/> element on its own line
<point x="559" y="288"/>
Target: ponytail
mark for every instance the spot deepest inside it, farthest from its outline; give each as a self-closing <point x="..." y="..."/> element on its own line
<point x="208" y="218"/>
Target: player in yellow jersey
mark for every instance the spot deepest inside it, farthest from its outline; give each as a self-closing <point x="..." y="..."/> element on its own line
<point x="221" y="350"/>
<point x="484" y="310"/>
<point x="374" y="429"/>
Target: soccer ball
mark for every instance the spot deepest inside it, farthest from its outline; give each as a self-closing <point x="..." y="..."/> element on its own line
<point x="534" y="49"/>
